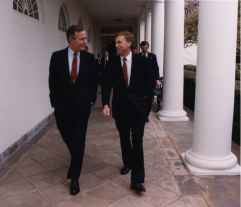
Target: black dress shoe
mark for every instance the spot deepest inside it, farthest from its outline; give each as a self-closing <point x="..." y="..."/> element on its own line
<point x="138" y="187"/>
<point x="124" y="170"/>
<point x="74" y="187"/>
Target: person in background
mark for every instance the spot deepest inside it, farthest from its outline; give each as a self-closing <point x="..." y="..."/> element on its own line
<point x="151" y="57"/>
<point x="105" y="59"/>
<point x="135" y="49"/>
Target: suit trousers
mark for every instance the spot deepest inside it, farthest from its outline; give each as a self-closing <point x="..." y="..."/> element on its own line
<point x="131" y="132"/>
<point x="72" y="123"/>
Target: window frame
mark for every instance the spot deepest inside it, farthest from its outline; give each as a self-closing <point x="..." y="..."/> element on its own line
<point x="29" y="8"/>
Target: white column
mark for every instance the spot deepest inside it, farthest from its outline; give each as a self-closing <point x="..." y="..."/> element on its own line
<point x="211" y="148"/>
<point x="172" y="109"/>
<point x="158" y="9"/>
<point x="142" y="26"/>
<point x="148" y="25"/>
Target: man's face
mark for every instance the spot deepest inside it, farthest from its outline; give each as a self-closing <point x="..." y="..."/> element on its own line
<point x="122" y="45"/>
<point x="79" y="42"/>
<point x="144" y="48"/>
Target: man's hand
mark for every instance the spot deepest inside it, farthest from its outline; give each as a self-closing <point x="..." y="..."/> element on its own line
<point x="106" y="110"/>
<point x="158" y="84"/>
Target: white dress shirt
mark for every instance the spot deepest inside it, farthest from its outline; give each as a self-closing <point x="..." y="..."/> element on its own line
<point x="129" y="64"/>
<point x="70" y="60"/>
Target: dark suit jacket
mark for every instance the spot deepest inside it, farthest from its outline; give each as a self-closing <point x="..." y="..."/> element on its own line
<point x="154" y="65"/>
<point x="129" y="101"/>
<point x="65" y="93"/>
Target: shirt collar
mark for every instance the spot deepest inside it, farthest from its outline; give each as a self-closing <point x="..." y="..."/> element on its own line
<point x="145" y="54"/>
<point x="72" y="52"/>
<point x="128" y="57"/>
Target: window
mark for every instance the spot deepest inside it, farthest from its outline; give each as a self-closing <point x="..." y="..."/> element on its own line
<point x="63" y="19"/>
<point x="27" y="7"/>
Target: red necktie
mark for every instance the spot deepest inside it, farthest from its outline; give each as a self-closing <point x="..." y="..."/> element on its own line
<point x="125" y="72"/>
<point x="74" y="68"/>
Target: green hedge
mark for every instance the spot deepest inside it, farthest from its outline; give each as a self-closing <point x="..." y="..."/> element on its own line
<point x="192" y="68"/>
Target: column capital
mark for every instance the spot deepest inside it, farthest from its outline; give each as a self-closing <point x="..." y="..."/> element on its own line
<point x="157" y="1"/>
<point x="142" y="16"/>
<point x="148" y="8"/>
<point x="143" y="12"/>
<point x="150" y="3"/>
<point x="142" y="19"/>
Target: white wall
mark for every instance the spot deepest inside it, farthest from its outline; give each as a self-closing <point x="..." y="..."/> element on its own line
<point x="26" y="46"/>
<point x="190" y="55"/>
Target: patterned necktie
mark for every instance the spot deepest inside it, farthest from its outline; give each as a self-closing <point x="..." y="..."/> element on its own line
<point x="74" y="68"/>
<point x="125" y="72"/>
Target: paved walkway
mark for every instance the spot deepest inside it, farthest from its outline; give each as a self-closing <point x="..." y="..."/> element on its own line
<point x="37" y="178"/>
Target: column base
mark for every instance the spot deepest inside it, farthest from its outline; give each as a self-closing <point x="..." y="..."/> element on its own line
<point x="173" y="116"/>
<point x="205" y="166"/>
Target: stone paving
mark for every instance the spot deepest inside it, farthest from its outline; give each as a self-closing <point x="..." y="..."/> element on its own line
<point x="37" y="178"/>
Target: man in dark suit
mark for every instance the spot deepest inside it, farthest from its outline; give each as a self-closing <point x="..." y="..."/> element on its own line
<point x="151" y="57"/>
<point x="132" y="81"/>
<point x="103" y="62"/>
<point x="73" y="84"/>
<point x="105" y="59"/>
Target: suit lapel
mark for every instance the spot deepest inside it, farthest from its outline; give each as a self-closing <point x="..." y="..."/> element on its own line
<point x="133" y="64"/>
<point x="82" y="65"/>
<point x="66" y="65"/>
<point x="119" y="65"/>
